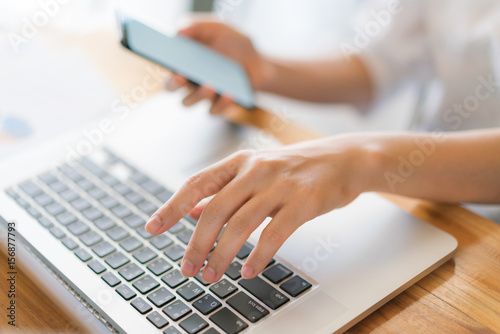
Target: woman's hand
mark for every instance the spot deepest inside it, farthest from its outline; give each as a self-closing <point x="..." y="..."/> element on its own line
<point x="232" y="44"/>
<point x="292" y="185"/>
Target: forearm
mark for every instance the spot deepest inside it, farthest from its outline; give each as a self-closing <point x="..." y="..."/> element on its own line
<point x="451" y="167"/>
<point x="337" y="80"/>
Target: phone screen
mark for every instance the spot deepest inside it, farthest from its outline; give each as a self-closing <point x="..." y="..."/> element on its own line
<point x="190" y="59"/>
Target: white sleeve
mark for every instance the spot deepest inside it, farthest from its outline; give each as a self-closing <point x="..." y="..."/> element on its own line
<point x="401" y="53"/>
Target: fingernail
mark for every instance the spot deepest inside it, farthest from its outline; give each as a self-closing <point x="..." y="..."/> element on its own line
<point x="209" y="275"/>
<point x="187" y="268"/>
<point x="247" y="272"/>
<point x="153" y="225"/>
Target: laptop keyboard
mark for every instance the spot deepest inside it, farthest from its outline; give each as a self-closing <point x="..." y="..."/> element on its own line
<point x="98" y="212"/>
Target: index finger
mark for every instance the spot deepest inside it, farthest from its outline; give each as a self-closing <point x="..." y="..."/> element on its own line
<point x="205" y="183"/>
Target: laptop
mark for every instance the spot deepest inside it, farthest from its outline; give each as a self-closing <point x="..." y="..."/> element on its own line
<point x="80" y="225"/>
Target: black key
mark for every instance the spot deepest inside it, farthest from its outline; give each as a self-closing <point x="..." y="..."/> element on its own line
<point x="92" y="213"/>
<point x="117" y="260"/>
<point x="171" y="330"/>
<point x="57" y="232"/>
<point x="130" y="244"/>
<point x="193" y="324"/>
<point x="83" y="255"/>
<point x="45" y="222"/>
<point x="156" y="319"/>
<point x="104" y="223"/>
<point x="295" y="286"/>
<point x="44" y="199"/>
<point x="175" y="252"/>
<point x="191" y="220"/>
<point x="176" y="310"/>
<point x="145" y="284"/>
<point x="117" y="233"/>
<point x="144" y="255"/>
<point x="110" y="180"/>
<point x="234" y="270"/>
<point x="34" y="212"/>
<point x="121" y="211"/>
<point x="211" y="331"/>
<point x="58" y="187"/>
<point x="190" y="291"/>
<point x="159" y="267"/>
<point x="223" y="288"/>
<point x="271" y="263"/>
<point x="92" y="167"/>
<point x="228" y="321"/>
<point x="164" y="196"/>
<point x="122" y="189"/>
<point x="78" y="228"/>
<point x="54" y="209"/>
<point x="138" y="177"/>
<point x="69" y="195"/>
<point x="145" y="234"/>
<point x="177" y="228"/>
<point x="147" y="207"/>
<point x="70" y="243"/>
<point x="185" y="236"/>
<point x="11" y="193"/>
<point x="132" y="221"/>
<point x="96" y="266"/>
<point x="80" y="204"/>
<point x="126" y="292"/>
<point x="244" y="251"/>
<point x="30" y="188"/>
<point x="103" y="249"/>
<point x="97" y="193"/>
<point x="86" y="184"/>
<point x="174" y="278"/>
<point x="134" y="197"/>
<point x="161" y="297"/>
<point x="22" y="203"/>
<point x="153" y="187"/>
<point x="200" y="279"/>
<point x="161" y="241"/>
<point x="247" y="307"/>
<point x="277" y="273"/>
<point x="207" y="304"/>
<point x="71" y="173"/>
<point x="66" y="218"/>
<point x="47" y="178"/>
<point x="109" y="202"/>
<point x="131" y="272"/>
<point x="90" y="239"/>
<point x="140" y="305"/>
<point x="264" y="292"/>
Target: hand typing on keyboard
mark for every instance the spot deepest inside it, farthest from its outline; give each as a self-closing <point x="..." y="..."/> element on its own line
<point x="292" y="185"/>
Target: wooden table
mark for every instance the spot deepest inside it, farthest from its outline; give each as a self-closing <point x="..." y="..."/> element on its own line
<point x="462" y="296"/>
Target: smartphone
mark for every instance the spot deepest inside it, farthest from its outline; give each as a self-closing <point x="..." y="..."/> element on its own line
<point x="193" y="60"/>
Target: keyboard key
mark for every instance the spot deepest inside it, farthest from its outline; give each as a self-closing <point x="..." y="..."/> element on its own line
<point x="228" y="321"/>
<point x="83" y="255"/>
<point x="122" y="189"/>
<point x="223" y="288"/>
<point x="175" y="252"/>
<point x="140" y="305"/>
<point x="177" y="228"/>
<point x="157" y="320"/>
<point x="22" y="203"/>
<point x="117" y="233"/>
<point x="97" y="193"/>
<point x="200" y="279"/>
<point x="277" y="273"/>
<point x="185" y="236"/>
<point x="71" y="173"/>
<point x="47" y="178"/>
<point x="134" y="197"/>
<point x="191" y="220"/>
<point x="85" y="184"/>
<point x="153" y="187"/>
<point x="244" y="251"/>
<point x="211" y="331"/>
<point x="138" y="177"/>
<point x="78" y="228"/>
<point x="58" y="187"/>
<point x="92" y="167"/>
<point x="54" y="209"/>
<point x="126" y="292"/>
<point x="30" y="188"/>
<point x="110" y="180"/>
<point x="161" y="297"/>
<point x="164" y="196"/>
<point x="234" y="270"/>
<point x="295" y="286"/>
<point x="121" y="211"/>
<point x="45" y="222"/>
<point x="264" y="292"/>
<point x="171" y="330"/>
<point x="117" y="260"/>
<point x="57" y="232"/>
<point x="111" y="279"/>
<point x="247" y="307"/>
<point x="131" y="272"/>
<point x="159" y="267"/>
<point x="271" y="263"/>
<point x="176" y="310"/>
<point x="207" y="304"/>
<point x="34" y="212"/>
<point x="66" y="218"/>
<point x="147" y="207"/>
<point x="92" y="213"/>
<point x="145" y="234"/>
<point x="44" y="199"/>
<point x="103" y="249"/>
<point x="144" y="255"/>
<point x="109" y="202"/>
<point x="130" y="244"/>
<point x="11" y="193"/>
<point x="91" y="238"/>
<point x="161" y="241"/>
<point x="96" y="266"/>
<point x="132" y="221"/>
<point x="174" y="278"/>
<point x="70" y="243"/>
<point x="190" y="291"/>
<point x="69" y="195"/>
<point x="104" y="223"/>
<point x="80" y="204"/>
<point x="193" y="324"/>
<point x="145" y="284"/>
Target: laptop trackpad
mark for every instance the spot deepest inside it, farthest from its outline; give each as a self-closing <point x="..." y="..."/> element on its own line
<point x="306" y="316"/>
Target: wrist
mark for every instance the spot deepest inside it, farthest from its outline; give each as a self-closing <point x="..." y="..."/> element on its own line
<point x="264" y="74"/>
